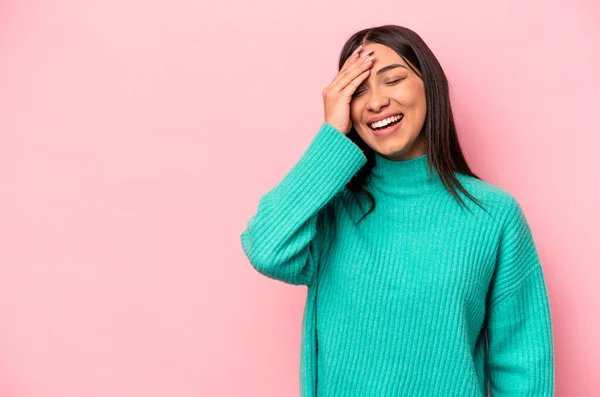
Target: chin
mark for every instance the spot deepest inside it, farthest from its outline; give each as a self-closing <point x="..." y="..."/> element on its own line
<point x="395" y="146"/>
<point x="399" y="148"/>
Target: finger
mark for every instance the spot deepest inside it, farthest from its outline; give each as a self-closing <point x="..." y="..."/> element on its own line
<point x="358" y="63"/>
<point x="351" y="74"/>
<point x="354" y="56"/>
<point x="352" y="60"/>
<point x="353" y="85"/>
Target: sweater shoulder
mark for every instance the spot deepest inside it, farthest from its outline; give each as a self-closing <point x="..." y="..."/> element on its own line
<point x="487" y="190"/>
<point x="501" y="203"/>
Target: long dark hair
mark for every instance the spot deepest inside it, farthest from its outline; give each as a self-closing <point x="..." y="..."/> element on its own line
<point x="442" y="147"/>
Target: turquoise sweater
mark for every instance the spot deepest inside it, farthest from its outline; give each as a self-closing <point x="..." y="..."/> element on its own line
<point x="422" y="297"/>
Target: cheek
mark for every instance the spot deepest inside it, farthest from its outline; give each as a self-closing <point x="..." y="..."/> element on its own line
<point x="414" y="101"/>
<point x="422" y="105"/>
<point x="411" y="96"/>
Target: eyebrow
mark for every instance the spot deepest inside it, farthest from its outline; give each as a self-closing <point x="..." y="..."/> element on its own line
<point x="383" y="70"/>
<point x="389" y="67"/>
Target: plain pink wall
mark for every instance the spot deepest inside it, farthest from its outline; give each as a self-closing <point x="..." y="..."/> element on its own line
<point x="137" y="137"/>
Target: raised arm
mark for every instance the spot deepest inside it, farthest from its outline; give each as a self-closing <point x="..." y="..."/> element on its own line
<point x="284" y="238"/>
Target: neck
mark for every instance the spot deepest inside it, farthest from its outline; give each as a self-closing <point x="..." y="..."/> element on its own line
<point x="403" y="177"/>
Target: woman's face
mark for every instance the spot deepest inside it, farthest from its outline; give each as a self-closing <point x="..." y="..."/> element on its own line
<point x="391" y="89"/>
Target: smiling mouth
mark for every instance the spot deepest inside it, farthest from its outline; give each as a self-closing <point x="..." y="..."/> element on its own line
<point x="389" y="122"/>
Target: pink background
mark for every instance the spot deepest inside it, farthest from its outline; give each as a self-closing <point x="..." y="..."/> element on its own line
<point x="137" y="137"/>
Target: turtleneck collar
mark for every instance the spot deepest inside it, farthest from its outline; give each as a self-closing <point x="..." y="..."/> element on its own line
<point x="403" y="177"/>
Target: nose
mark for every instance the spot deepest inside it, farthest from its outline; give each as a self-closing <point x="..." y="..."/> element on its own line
<point x="377" y="101"/>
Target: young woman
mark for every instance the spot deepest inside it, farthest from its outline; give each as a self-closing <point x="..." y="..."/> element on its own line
<point x="423" y="280"/>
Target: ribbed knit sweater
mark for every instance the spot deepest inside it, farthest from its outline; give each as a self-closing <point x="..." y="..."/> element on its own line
<point x="422" y="297"/>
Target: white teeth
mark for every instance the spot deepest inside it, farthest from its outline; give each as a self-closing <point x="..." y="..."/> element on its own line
<point x="384" y="122"/>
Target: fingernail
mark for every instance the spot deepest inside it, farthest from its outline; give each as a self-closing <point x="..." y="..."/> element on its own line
<point x="367" y="53"/>
<point x="357" y="50"/>
<point x="369" y="59"/>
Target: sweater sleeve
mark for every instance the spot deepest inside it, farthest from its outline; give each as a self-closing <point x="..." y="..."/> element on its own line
<point x="520" y="356"/>
<point x="283" y="239"/>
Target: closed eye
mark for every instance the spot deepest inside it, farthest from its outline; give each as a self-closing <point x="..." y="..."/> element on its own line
<point x="359" y="91"/>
